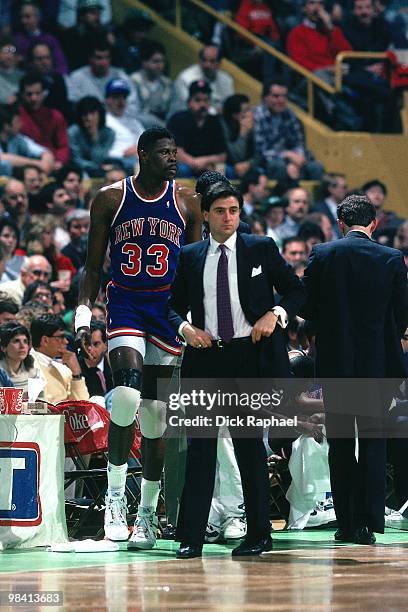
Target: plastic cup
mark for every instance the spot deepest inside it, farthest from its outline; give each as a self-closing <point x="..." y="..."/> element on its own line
<point x="11" y="400"/>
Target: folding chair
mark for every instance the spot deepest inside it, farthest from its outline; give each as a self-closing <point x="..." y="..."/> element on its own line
<point x="86" y="433"/>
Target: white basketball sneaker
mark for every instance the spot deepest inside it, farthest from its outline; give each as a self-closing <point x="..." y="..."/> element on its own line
<point x="115" y="523"/>
<point x="234" y="528"/>
<point x="145" y="530"/>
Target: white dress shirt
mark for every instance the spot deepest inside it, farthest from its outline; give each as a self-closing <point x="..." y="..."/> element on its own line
<point x="242" y="328"/>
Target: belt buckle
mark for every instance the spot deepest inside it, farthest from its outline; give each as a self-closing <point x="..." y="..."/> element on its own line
<point x="220" y="343"/>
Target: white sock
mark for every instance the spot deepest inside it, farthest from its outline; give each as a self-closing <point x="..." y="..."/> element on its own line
<point x="116" y="479"/>
<point x="150" y="490"/>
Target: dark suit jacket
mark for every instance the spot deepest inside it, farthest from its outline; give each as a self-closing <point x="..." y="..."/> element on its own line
<point x="358" y="300"/>
<point x="256" y="292"/>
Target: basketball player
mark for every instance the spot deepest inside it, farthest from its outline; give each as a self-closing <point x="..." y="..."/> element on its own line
<point x="145" y="220"/>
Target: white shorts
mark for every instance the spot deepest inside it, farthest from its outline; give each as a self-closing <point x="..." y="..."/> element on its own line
<point x="152" y="354"/>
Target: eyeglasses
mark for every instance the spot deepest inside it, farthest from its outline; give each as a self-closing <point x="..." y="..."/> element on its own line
<point x="39" y="273"/>
<point x="58" y="337"/>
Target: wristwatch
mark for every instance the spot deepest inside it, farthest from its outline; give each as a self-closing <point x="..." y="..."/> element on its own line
<point x="76" y="376"/>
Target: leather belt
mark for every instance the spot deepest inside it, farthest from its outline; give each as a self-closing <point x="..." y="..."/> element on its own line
<point x="220" y="344"/>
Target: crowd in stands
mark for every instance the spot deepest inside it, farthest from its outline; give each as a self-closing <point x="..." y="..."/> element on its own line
<point x="76" y="92"/>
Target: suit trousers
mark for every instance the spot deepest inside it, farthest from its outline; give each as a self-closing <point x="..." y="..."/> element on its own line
<point x="233" y="362"/>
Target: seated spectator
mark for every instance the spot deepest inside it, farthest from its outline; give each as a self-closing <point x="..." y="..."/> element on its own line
<point x="401" y="238"/>
<point x="30" y="311"/>
<point x="387" y="220"/>
<point x="294" y="250"/>
<point x="15" y="202"/>
<point x="256" y="16"/>
<point x="208" y="69"/>
<point x="198" y="135"/>
<point x="257" y="224"/>
<point x="15" y="358"/>
<point x="17" y="150"/>
<point x="254" y="189"/>
<point x="279" y="138"/>
<point x="237" y="123"/>
<point x="30" y="32"/>
<point x="90" y="138"/>
<point x="323" y="222"/>
<point x="127" y="130"/>
<point x="10" y="74"/>
<point x="95" y="367"/>
<point x="396" y="22"/>
<point x="92" y="79"/>
<point x="154" y="90"/>
<point x="115" y="174"/>
<point x="58" y="366"/>
<point x="33" y="268"/>
<point x="70" y="178"/>
<point x="33" y="179"/>
<point x="10" y="238"/>
<point x="54" y="199"/>
<point x="58" y="302"/>
<point x="312" y="234"/>
<point x="8" y="308"/>
<point x="296" y="210"/>
<point x="315" y="43"/>
<point x="40" y="60"/>
<point x="366" y="32"/>
<point x="131" y="36"/>
<point x="83" y="23"/>
<point x="38" y="291"/>
<point x="46" y="126"/>
<point x="273" y="210"/>
<point x="99" y="312"/>
<point x="78" y="229"/>
<point x="334" y="188"/>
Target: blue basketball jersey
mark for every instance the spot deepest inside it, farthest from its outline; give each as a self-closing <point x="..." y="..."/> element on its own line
<point x="145" y="238"/>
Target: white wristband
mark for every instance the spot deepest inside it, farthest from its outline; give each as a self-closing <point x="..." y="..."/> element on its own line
<point x="83" y="316"/>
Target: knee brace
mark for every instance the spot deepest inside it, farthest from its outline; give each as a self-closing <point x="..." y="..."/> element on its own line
<point x="152" y="418"/>
<point x="125" y="403"/>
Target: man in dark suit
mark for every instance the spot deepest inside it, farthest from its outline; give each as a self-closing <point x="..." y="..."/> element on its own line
<point x="357" y="298"/>
<point x="227" y="283"/>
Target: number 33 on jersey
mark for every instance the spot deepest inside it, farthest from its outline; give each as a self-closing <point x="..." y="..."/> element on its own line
<point x="145" y="238"/>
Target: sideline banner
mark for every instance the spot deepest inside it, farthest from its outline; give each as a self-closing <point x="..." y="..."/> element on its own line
<point x="32" y="453"/>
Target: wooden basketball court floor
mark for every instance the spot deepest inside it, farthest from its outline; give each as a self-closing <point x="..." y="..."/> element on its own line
<point x="305" y="571"/>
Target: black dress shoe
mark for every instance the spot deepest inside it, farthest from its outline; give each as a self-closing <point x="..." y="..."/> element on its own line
<point x="253" y="548"/>
<point x="364" y="535"/>
<point x="342" y="535"/>
<point x="189" y="551"/>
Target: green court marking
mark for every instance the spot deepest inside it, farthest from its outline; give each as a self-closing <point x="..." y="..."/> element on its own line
<point x="38" y="559"/>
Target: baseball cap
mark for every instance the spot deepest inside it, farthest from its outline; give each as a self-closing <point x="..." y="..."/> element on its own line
<point x="116" y="86"/>
<point x="273" y="201"/>
<point x="199" y="86"/>
<point x="89" y="4"/>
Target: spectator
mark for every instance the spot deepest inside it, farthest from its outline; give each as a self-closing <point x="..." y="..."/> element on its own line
<point x="17" y="150"/>
<point x="89" y="138"/>
<point x="95" y="368"/>
<point x="84" y="28"/>
<point x="396" y="23"/>
<point x="30" y="32"/>
<point x="254" y="189"/>
<point x="154" y="90"/>
<point x="127" y="130"/>
<point x="296" y="210"/>
<point x="15" y="202"/>
<point x="10" y="238"/>
<point x="32" y="310"/>
<point x="208" y="69"/>
<point x="38" y="291"/>
<point x="91" y="80"/>
<point x="315" y="43"/>
<point x="334" y="188"/>
<point x="15" y="358"/>
<point x="70" y="178"/>
<point x="33" y="179"/>
<point x="257" y="224"/>
<point x="294" y="250"/>
<point x="40" y="60"/>
<point x="387" y="220"/>
<point x="274" y="215"/>
<point x="34" y="268"/>
<point x="63" y="377"/>
<point x="311" y="234"/>
<point x="10" y="74"/>
<point x="279" y="139"/>
<point x="8" y="308"/>
<point x="54" y="199"/>
<point x="238" y="122"/>
<point x="115" y="174"/>
<point x="58" y="302"/>
<point x="323" y="222"/>
<point x="99" y="312"/>
<point x="366" y="32"/>
<point x="401" y="239"/>
<point x="200" y="142"/>
<point x="131" y="37"/>
<point x="46" y="126"/>
<point x="78" y="228"/>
